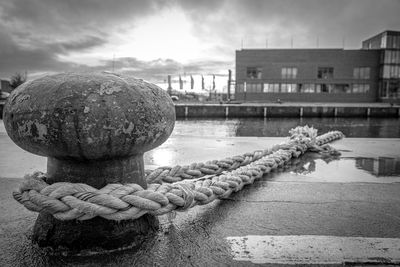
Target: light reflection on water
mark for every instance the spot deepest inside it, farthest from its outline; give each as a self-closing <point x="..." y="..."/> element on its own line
<point x="341" y="169"/>
<point x="381" y="166"/>
<point x="313" y="167"/>
<point x="277" y="127"/>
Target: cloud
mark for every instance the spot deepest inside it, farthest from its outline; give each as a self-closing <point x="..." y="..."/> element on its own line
<point x="61" y="35"/>
<point x="74" y="15"/>
<point x="18" y="59"/>
<point x="158" y="70"/>
<point x="38" y="35"/>
<point x="81" y="44"/>
<point x="254" y="21"/>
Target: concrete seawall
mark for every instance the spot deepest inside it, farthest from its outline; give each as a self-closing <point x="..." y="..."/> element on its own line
<point x="191" y="110"/>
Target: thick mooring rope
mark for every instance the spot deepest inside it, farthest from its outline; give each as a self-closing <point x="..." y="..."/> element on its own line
<point x="68" y="201"/>
<point x="168" y="174"/>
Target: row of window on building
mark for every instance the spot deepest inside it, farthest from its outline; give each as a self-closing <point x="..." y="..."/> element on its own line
<point x="389" y="89"/>
<point x="391" y="71"/>
<point x="360" y="73"/>
<point x="391" y="57"/>
<point x="302" y="88"/>
<point x="390" y="41"/>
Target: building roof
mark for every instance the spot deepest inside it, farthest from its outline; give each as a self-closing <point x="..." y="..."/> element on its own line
<point x="388" y="32"/>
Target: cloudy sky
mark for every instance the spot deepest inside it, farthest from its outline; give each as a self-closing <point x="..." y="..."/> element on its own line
<point x="153" y="38"/>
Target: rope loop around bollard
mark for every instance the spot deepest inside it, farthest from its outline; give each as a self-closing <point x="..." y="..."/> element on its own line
<point x="171" y="189"/>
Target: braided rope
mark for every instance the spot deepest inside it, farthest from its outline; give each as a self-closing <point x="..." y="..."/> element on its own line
<point x="178" y="173"/>
<point x="68" y="201"/>
<point x="169" y="174"/>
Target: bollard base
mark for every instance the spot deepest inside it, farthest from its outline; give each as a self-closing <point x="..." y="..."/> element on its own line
<point x="95" y="235"/>
<point x="97" y="173"/>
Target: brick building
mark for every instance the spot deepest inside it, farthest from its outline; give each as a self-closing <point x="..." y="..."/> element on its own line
<point x="370" y="74"/>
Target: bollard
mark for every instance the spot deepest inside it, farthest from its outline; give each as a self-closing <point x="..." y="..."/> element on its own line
<point x="93" y="128"/>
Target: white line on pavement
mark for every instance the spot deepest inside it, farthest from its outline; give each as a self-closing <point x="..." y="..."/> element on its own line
<point x="313" y="249"/>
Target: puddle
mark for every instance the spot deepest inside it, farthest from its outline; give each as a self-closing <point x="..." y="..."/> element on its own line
<point x="312" y="168"/>
<point x="382" y="166"/>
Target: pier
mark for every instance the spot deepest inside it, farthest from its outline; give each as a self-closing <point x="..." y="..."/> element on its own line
<point x="290" y="109"/>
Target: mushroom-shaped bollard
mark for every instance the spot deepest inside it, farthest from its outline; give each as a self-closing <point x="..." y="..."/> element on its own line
<point x="94" y="129"/>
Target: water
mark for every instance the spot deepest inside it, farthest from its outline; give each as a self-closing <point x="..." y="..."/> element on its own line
<point x="378" y="168"/>
<point x="361" y="166"/>
<point x="312" y="167"/>
<point x="277" y="127"/>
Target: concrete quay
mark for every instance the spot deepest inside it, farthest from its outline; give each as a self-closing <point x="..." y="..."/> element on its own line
<point x="287" y="109"/>
<point x="326" y="211"/>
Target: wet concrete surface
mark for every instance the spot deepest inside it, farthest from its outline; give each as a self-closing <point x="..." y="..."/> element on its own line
<point x="356" y="195"/>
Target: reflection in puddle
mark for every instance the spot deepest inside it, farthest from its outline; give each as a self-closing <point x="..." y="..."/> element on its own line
<point x="312" y="167"/>
<point x="381" y="166"/>
<point x="307" y="164"/>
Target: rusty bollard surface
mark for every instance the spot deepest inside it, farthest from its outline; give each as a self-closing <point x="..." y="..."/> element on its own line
<point x="94" y="129"/>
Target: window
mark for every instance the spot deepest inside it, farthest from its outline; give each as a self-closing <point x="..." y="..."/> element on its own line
<point x="325" y="73"/>
<point x="390" y="89"/>
<point x="271" y="87"/>
<point x="253" y="87"/>
<point x="240" y="88"/>
<point x="386" y="71"/>
<point x="391" y="71"/>
<point x="360" y="88"/>
<point x="289" y="73"/>
<point x="289" y="88"/>
<point x="389" y="41"/>
<point x="361" y="73"/>
<point x="324" y="88"/>
<point x="342" y="88"/>
<point x="395" y="71"/>
<point x="383" y="40"/>
<point x="307" y="88"/>
<point x="284" y="87"/>
<point x="393" y="89"/>
<point x="383" y="89"/>
<point x="392" y="57"/>
<point x="397" y="42"/>
<point x="392" y="41"/>
<point x="396" y="57"/>
<point x="387" y="56"/>
<point x="254" y="73"/>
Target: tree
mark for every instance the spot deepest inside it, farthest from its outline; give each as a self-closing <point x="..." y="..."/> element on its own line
<point x="17" y="79"/>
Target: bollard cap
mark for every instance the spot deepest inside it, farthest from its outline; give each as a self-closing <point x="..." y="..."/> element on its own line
<point x="88" y="116"/>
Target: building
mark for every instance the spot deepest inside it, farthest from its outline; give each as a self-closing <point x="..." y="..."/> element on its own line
<point x="370" y="74"/>
<point x="388" y="44"/>
<point x="5" y="86"/>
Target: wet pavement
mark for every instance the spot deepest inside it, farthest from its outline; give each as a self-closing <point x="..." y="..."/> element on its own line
<point x="355" y="195"/>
